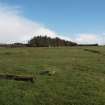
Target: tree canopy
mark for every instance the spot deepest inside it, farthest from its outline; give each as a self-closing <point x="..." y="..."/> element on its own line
<point x="44" y="41"/>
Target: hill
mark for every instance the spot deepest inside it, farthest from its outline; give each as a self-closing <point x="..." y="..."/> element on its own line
<point x="44" y="41"/>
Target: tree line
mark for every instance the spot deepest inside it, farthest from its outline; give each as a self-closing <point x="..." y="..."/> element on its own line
<point x="44" y="41"/>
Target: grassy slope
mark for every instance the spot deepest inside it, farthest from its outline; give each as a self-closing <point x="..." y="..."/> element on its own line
<point x="79" y="80"/>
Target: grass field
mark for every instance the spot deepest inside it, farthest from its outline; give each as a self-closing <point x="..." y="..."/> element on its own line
<point x="79" y="77"/>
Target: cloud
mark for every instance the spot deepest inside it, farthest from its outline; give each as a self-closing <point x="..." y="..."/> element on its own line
<point x="89" y="38"/>
<point x="16" y="28"/>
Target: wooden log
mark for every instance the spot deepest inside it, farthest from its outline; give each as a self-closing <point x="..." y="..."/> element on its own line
<point x="44" y="72"/>
<point x="23" y="78"/>
<point x="17" y="77"/>
<point x="47" y="72"/>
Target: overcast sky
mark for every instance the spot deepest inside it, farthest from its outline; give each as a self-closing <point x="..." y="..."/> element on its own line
<point x="82" y="21"/>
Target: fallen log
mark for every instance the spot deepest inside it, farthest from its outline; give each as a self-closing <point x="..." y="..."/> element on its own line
<point x="44" y="72"/>
<point x="21" y="78"/>
<point x="47" y="72"/>
<point x="17" y="77"/>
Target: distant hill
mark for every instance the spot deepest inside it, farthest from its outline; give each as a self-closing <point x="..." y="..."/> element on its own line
<point x="88" y="44"/>
<point x="44" y="41"/>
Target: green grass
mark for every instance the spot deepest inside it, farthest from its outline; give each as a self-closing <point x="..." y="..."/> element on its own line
<point x="79" y="77"/>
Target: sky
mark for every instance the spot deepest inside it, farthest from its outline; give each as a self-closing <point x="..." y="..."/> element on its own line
<point x="82" y="21"/>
